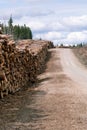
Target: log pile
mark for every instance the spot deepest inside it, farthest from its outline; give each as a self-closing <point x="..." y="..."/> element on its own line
<point x="20" y="63"/>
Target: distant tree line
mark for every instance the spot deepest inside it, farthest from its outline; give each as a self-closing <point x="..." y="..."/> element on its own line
<point x="22" y="32"/>
<point x="16" y="31"/>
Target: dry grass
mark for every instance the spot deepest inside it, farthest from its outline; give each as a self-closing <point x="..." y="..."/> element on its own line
<point x="81" y="53"/>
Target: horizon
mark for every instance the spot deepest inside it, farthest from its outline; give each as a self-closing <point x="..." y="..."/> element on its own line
<point x="60" y="21"/>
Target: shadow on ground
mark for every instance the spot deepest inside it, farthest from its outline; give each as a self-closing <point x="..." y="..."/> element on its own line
<point x="21" y="111"/>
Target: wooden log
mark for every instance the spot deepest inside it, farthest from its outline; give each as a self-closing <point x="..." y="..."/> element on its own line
<point x="20" y="63"/>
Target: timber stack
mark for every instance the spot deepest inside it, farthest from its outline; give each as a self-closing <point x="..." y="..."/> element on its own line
<point x="20" y="62"/>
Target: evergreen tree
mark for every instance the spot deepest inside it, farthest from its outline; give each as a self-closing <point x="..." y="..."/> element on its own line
<point x="29" y="33"/>
<point x="10" y="25"/>
<point x="18" y="32"/>
<point x="21" y="32"/>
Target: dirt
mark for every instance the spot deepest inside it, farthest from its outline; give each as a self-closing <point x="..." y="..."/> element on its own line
<point x="59" y="102"/>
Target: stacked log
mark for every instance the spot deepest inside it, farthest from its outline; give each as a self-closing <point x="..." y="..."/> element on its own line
<point x="20" y="63"/>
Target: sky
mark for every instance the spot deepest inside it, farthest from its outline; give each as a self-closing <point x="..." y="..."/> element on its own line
<point x="60" y="21"/>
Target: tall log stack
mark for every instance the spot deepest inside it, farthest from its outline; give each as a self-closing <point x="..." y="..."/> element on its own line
<point x="20" y="62"/>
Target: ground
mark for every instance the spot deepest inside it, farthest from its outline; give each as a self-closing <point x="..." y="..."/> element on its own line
<point x="59" y="101"/>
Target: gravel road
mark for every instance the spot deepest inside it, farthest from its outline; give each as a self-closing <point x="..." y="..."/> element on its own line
<point x="59" y="102"/>
<point x="73" y="68"/>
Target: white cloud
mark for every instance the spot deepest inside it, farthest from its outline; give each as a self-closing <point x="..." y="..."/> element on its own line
<point x="47" y="19"/>
<point x="74" y="38"/>
<point x="33" y="23"/>
<point x="53" y="35"/>
<point x="74" y="20"/>
<point x="66" y="30"/>
<point x="49" y="36"/>
<point x="75" y="23"/>
<point x="37" y="26"/>
<point x="77" y="36"/>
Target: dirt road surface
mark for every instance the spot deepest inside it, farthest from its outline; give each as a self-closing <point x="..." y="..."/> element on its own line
<point x="59" y="102"/>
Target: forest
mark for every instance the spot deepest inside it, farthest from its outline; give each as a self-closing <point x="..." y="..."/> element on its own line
<point x="17" y="32"/>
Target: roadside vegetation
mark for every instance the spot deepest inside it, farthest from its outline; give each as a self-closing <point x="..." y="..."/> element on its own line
<point x="81" y="52"/>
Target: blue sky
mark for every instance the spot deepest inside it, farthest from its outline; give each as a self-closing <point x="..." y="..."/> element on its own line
<point x="62" y="21"/>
